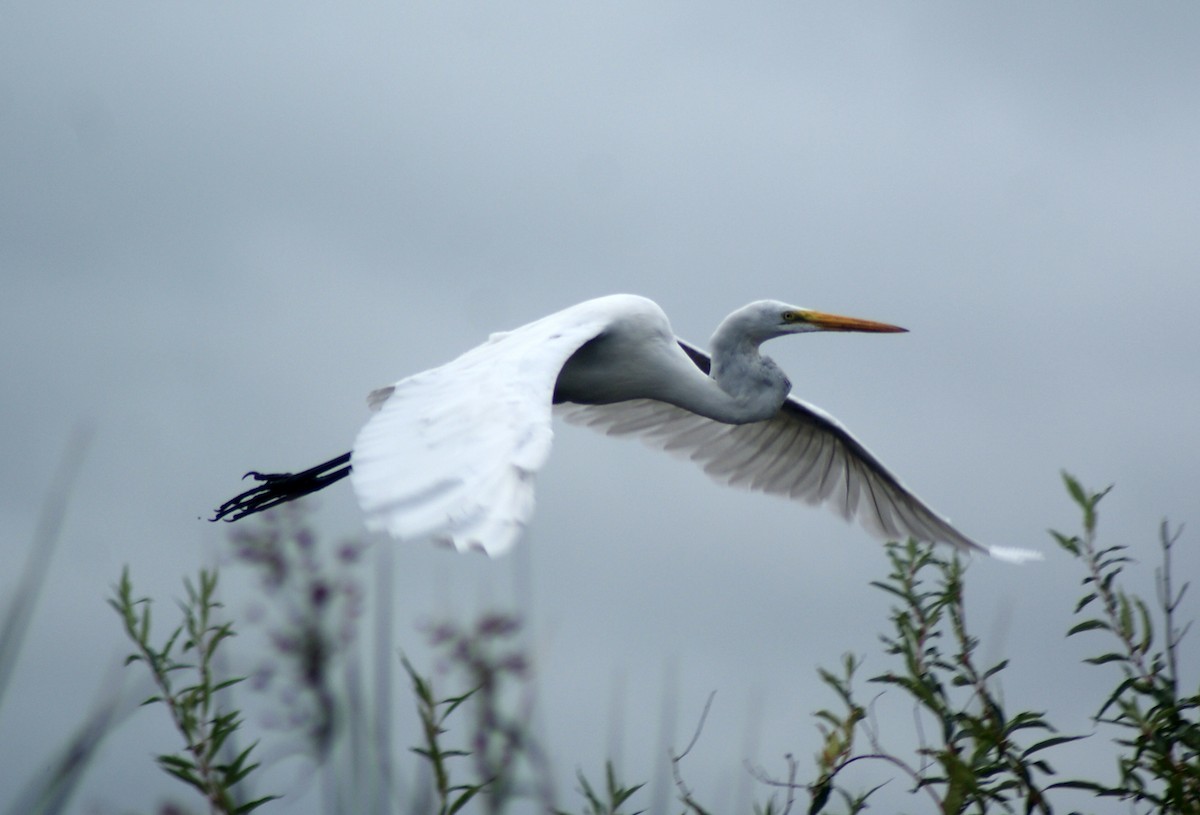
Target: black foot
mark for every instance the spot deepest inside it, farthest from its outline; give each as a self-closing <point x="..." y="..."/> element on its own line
<point x="279" y="488"/>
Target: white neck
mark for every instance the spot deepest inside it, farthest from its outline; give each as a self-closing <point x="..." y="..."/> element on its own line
<point x="742" y="387"/>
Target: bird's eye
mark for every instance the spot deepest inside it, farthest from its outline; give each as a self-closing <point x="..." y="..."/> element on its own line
<point x="792" y="317"/>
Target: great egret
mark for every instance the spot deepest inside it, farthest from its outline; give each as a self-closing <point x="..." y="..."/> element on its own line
<point x="450" y="454"/>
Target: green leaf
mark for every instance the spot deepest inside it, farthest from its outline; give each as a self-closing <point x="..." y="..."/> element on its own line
<point x="453" y="702"/>
<point x="1027" y="719"/>
<point x="182" y="769"/>
<point x="621" y="795"/>
<point x="1105" y="658"/>
<point x="1076" y="491"/>
<point x="1087" y="786"/>
<point x="1087" y="625"/>
<point x="233" y="777"/>
<point x="223" y="728"/>
<point x="1071" y="544"/>
<point x="1047" y="743"/>
<point x="250" y="806"/>
<point x="1147" y="627"/>
<point x="820" y="795"/>
<point x="464" y="799"/>
<point x="1116" y="694"/>
<point x="1086" y="502"/>
<point x="995" y="669"/>
<point x="228" y="683"/>
<point x="1124" y="616"/>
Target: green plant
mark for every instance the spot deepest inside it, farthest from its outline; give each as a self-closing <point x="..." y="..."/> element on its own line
<point x="506" y="761"/>
<point x="976" y="760"/>
<point x="205" y="762"/>
<point x="434" y="714"/>
<point x="614" y="795"/>
<point x="975" y="756"/>
<point x="1159" y="763"/>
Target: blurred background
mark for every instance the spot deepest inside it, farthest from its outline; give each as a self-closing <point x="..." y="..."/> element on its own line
<point x="222" y="224"/>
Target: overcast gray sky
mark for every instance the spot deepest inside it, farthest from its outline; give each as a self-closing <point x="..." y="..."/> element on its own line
<point x="223" y="223"/>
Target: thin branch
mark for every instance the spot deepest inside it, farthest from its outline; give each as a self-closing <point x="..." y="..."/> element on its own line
<point x="791" y="785"/>
<point x="1169" y="601"/>
<point x="699" y="727"/>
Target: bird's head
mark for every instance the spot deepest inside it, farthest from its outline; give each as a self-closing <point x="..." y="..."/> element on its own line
<point x="767" y="319"/>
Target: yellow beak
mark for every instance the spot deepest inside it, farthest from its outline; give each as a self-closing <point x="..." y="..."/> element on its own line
<point x="835" y="322"/>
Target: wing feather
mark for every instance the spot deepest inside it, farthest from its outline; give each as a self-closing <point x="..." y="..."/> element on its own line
<point x="450" y="454"/>
<point x="802" y="453"/>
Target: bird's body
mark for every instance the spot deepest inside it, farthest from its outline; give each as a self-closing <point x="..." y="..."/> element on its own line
<point x="450" y="454"/>
<point x="628" y="358"/>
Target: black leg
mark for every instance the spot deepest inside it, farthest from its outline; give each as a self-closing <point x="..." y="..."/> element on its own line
<point x="279" y="488"/>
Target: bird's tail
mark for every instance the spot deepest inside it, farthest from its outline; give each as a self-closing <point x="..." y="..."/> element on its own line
<point x="279" y="488"/>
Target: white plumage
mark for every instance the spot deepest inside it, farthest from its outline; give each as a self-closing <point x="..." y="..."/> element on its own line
<point x="451" y="453"/>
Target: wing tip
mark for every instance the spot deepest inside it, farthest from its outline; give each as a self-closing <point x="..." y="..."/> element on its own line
<point x="1013" y="555"/>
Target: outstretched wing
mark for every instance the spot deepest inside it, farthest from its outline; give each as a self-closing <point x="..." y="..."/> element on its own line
<point x="451" y="453"/>
<point x="802" y="453"/>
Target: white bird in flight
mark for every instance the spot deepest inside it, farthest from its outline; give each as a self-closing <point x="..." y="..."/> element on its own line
<point x="450" y="454"/>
